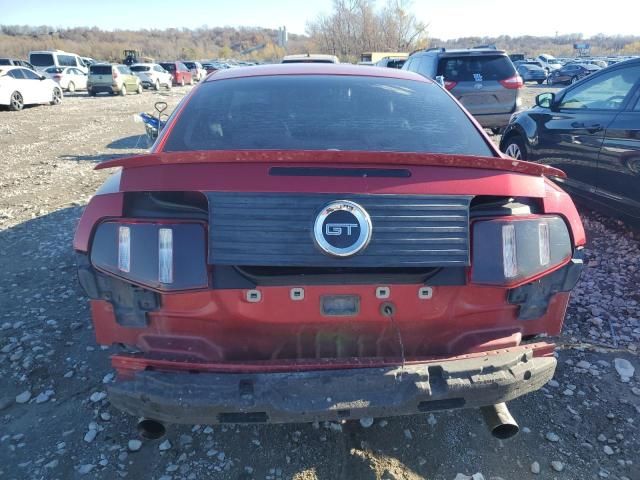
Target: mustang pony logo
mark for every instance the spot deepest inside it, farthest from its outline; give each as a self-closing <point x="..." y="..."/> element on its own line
<point x="336" y="228"/>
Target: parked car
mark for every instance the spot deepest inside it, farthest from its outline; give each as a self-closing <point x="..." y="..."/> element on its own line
<point x="530" y="72"/>
<point x="179" y="71"/>
<point x="310" y="58"/>
<point x="549" y="62"/>
<point x="88" y="61"/>
<point x="391" y="62"/>
<point x="69" y="78"/>
<point x="591" y="130"/>
<point x="152" y="75"/>
<point x="16" y="63"/>
<point x="571" y="73"/>
<point x="483" y="80"/>
<point x="363" y="251"/>
<point x="113" y="79"/>
<point x="197" y="70"/>
<point x="56" y="58"/>
<point x="21" y="86"/>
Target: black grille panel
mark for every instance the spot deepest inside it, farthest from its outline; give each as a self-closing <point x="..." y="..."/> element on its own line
<point x="267" y="229"/>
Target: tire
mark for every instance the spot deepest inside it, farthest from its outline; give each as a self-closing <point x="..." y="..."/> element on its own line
<point x="515" y="148"/>
<point x="169" y="85"/>
<point x="156" y="87"/>
<point x="71" y="87"/>
<point x="182" y="82"/>
<point x="549" y="81"/>
<point x="57" y="96"/>
<point x="16" y="102"/>
<point x="573" y="80"/>
<point x="191" y="80"/>
<point x="123" y="90"/>
<point x="139" y="89"/>
<point x="540" y="82"/>
<point x="91" y="93"/>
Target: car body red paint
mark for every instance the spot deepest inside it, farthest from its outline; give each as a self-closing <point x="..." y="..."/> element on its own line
<point x="438" y="343"/>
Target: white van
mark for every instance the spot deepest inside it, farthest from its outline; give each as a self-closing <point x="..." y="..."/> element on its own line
<point x="56" y="58"/>
<point x="549" y="62"/>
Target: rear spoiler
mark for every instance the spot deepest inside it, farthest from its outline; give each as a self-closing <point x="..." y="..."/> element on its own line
<point x="330" y="156"/>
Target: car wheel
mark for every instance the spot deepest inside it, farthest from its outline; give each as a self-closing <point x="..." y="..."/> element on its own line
<point x="16" y="102"/>
<point x="540" y="82"/>
<point x="57" y="96"/>
<point x="182" y="82"/>
<point x="123" y="90"/>
<point x="71" y="87"/>
<point x="573" y="80"/>
<point x="169" y="85"/>
<point x="191" y="81"/>
<point x="549" y="81"/>
<point x="91" y="93"/>
<point x="156" y="87"/>
<point x="514" y="147"/>
<point x="139" y="89"/>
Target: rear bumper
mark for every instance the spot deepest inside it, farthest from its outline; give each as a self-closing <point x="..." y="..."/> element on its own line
<point x="494" y="120"/>
<point x="304" y="396"/>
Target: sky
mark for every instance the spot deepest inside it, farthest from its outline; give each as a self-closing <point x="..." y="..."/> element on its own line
<point x="446" y="18"/>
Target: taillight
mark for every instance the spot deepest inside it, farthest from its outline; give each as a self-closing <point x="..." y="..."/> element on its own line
<point x="449" y="84"/>
<point x="511" y="250"/>
<point x="514" y="82"/>
<point x="162" y="256"/>
<point x="58" y="77"/>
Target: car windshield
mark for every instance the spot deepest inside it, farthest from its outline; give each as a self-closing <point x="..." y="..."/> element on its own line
<point x="139" y="68"/>
<point x="344" y="113"/>
<point x="476" y="68"/>
<point x="169" y="67"/>
<point x="41" y="59"/>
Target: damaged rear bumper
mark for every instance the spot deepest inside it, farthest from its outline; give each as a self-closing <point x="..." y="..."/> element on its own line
<point x="336" y="394"/>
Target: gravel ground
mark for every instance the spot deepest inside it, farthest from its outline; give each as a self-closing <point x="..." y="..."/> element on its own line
<point x="56" y="422"/>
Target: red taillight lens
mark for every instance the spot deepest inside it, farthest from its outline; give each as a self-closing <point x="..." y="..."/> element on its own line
<point x="513" y="83"/>
<point x="448" y="84"/>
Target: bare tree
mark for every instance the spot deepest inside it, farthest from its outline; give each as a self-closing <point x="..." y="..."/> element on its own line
<point x="355" y="26"/>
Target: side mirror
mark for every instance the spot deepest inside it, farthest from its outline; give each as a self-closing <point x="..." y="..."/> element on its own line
<point x="42" y="77"/>
<point x="545" y="100"/>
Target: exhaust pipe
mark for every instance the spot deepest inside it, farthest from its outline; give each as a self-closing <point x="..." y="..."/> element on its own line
<point x="151" y="429"/>
<point x="500" y="422"/>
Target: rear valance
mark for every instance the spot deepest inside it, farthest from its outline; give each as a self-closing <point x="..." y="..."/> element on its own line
<point x="339" y="157"/>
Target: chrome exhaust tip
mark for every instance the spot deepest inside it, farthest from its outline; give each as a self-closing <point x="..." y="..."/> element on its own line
<point x="499" y="420"/>
<point x="151" y="429"/>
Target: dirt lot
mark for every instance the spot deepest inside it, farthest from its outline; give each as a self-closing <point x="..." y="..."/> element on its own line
<point x="55" y="422"/>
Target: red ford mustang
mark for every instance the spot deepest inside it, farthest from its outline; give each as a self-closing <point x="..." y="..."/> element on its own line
<point x="326" y="242"/>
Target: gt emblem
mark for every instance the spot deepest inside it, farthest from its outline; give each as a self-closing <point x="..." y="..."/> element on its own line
<point x="342" y="229"/>
<point x="336" y="228"/>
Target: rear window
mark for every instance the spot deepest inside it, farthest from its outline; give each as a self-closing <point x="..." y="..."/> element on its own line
<point x="476" y="68"/>
<point x="5" y="61"/>
<point x="41" y="59"/>
<point x="190" y="65"/>
<point x="100" y="69"/>
<point x="169" y="67"/>
<point x="344" y="113"/>
<point x="306" y="60"/>
<point x="140" y="68"/>
<point x="67" y="60"/>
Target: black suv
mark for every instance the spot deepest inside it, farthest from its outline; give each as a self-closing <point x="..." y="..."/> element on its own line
<point x="484" y="80"/>
<point x="591" y="130"/>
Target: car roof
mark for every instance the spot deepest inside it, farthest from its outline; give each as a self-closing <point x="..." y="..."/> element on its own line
<point x="315" y="69"/>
